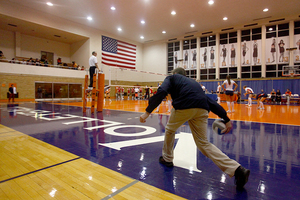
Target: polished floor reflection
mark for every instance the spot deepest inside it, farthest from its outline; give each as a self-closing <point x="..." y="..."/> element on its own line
<point x="265" y="141"/>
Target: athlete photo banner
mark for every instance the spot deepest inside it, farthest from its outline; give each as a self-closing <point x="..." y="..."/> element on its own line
<point x="204" y="57"/>
<point x="283" y="54"/>
<point x="256" y="52"/>
<point x="212" y="57"/>
<point x="176" y="58"/>
<point x="193" y="59"/>
<point x="224" y="55"/>
<point x="246" y="53"/>
<point x="297" y="52"/>
<point x="232" y="55"/>
<point x="271" y="51"/>
<point x="186" y="54"/>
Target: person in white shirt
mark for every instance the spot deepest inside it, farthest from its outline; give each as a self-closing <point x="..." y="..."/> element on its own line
<point x="218" y="93"/>
<point x="249" y="91"/>
<point x="203" y="87"/>
<point x="93" y="65"/>
<point x="229" y="91"/>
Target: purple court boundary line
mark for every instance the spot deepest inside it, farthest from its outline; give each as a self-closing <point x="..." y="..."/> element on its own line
<point x="12" y="178"/>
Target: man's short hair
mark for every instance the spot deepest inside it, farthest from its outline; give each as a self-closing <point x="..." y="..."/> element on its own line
<point x="94" y="52"/>
<point x="179" y="70"/>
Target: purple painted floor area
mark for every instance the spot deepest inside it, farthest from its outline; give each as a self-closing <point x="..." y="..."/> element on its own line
<point x="270" y="151"/>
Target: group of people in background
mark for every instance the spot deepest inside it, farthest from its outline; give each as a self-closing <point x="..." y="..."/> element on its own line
<point x="43" y="62"/>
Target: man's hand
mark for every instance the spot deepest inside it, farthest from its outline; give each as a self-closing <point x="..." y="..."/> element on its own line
<point x="144" y="116"/>
<point x="228" y="127"/>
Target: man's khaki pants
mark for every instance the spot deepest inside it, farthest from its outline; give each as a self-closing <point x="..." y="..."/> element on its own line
<point x="197" y="119"/>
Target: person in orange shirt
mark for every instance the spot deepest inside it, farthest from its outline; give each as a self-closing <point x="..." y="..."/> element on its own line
<point x="288" y="95"/>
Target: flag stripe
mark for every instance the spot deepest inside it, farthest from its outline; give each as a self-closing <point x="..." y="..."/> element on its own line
<point x="117" y="60"/>
<point x="118" y="53"/>
<point x="120" y="57"/>
<point x="117" y="65"/>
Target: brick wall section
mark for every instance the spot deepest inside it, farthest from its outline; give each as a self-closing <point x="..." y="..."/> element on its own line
<point x="26" y="84"/>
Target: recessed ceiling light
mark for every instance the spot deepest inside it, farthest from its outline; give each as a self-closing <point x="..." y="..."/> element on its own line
<point x="270" y="29"/>
<point x="119" y="29"/>
<point x="112" y="8"/>
<point x="164" y="32"/>
<point x="211" y="2"/>
<point x="142" y="37"/>
<point x="49" y="4"/>
<point x="266" y="10"/>
<point x="143" y="22"/>
<point x="225" y="18"/>
<point x="173" y="13"/>
<point x="90" y="18"/>
<point x="192" y="25"/>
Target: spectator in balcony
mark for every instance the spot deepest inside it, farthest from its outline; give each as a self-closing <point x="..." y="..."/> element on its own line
<point x="37" y="62"/>
<point x="23" y="62"/>
<point x="74" y="65"/>
<point x="59" y="61"/>
<point x="13" y="60"/>
<point x="30" y="61"/>
<point x="46" y="63"/>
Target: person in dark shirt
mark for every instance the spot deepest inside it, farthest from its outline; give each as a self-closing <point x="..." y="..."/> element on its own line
<point x="191" y="104"/>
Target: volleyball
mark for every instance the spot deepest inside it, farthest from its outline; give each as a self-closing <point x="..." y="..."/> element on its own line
<point x="218" y="125"/>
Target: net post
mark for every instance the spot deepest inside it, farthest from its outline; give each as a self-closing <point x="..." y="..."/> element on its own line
<point x="84" y="99"/>
<point x="93" y="93"/>
<point x="100" y="99"/>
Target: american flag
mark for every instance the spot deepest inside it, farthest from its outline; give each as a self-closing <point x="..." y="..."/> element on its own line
<point x="118" y="53"/>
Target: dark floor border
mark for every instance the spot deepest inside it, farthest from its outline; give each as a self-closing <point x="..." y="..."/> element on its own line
<point x="12" y="178"/>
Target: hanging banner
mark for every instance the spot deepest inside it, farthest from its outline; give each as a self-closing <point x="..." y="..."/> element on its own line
<point x="271" y="51"/>
<point x="232" y="52"/>
<point x="297" y="52"/>
<point x="176" y="58"/>
<point x="245" y="53"/>
<point x="185" y="59"/>
<point x="203" y="58"/>
<point x="193" y="59"/>
<point x="283" y="55"/>
<point x="256" y="52"/>
<point x="211" y="62"/>
<point x="224" y="55"/>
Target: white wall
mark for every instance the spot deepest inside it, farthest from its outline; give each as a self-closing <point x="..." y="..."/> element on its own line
<point x="7" y="43"/>
<point x="80" y="52"/>
<point x="155" y="60"/>
<point x="32" y="47"/>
